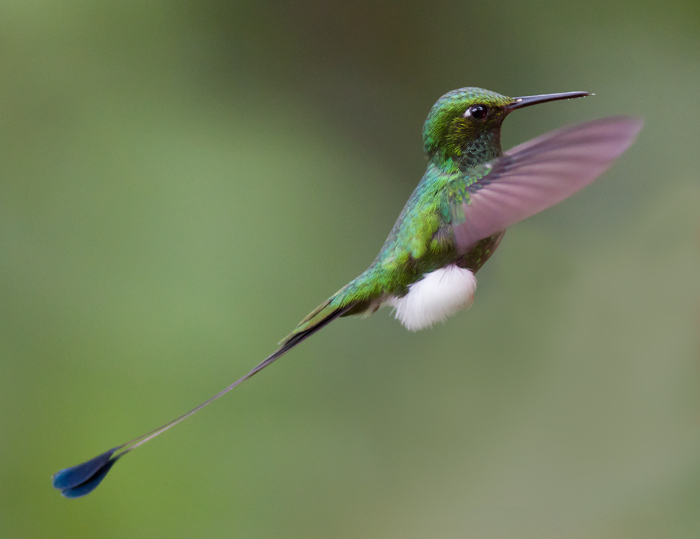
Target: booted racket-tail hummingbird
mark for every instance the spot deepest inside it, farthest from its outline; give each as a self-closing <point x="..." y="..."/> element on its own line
<point x="455" y="219"/>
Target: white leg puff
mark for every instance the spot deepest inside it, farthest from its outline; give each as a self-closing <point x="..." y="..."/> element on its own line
<point x="435" y="297"/>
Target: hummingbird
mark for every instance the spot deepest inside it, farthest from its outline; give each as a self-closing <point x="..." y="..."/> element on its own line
<point x="453" y="222"/>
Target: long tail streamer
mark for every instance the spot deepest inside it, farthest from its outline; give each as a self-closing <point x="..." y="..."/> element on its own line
<point x="82" y="479"/>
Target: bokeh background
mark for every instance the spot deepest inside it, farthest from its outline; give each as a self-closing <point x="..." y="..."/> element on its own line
<point x="182" y="181"/>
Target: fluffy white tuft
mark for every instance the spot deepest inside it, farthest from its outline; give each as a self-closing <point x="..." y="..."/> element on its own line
<point x="435" y="297"/>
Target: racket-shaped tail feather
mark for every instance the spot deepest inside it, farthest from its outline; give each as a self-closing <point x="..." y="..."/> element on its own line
<point x="82" y="479"/>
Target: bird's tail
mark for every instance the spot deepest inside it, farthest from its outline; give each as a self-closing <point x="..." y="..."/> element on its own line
<point x="82" y="479"/>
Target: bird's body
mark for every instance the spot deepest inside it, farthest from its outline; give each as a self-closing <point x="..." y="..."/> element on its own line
<point x="453" y="222"/>
<point x="422" y="242"/>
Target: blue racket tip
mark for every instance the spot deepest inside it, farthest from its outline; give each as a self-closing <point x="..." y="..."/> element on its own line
<point x="82" y="479"/>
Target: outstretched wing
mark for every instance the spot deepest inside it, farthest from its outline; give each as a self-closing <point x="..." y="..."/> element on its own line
<point x="534" y="176"/>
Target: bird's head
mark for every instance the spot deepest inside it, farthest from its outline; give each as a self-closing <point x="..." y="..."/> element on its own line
<point x="464" y="126"/>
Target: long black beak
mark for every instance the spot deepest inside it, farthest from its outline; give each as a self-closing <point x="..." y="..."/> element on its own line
<point x="520" y="102"/>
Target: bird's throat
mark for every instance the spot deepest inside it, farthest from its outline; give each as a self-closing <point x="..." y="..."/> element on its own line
<point x="484" y="148"/>
<point x="465" y="151"/>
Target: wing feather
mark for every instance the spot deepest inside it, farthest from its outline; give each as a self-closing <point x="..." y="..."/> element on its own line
<point x="534" y="176"/>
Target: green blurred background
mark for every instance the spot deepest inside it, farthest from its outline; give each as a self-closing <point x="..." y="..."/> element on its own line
<point x="182" y="181"/>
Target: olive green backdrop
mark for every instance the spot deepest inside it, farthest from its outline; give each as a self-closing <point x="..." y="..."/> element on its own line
<point x="181" y="182"/>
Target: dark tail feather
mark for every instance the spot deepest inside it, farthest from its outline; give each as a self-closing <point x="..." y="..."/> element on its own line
<point x="82" y="479"/>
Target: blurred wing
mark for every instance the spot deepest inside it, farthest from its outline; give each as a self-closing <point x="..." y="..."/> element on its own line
<point x="534" y="176"/>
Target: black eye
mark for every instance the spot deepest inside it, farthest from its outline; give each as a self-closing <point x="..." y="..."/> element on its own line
<point x="478" y="112"/>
